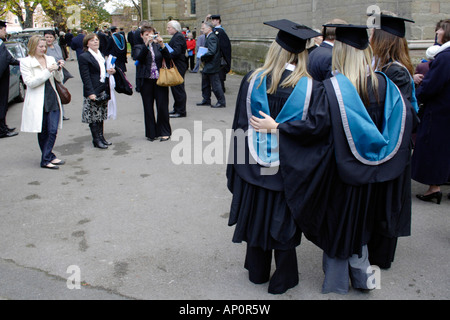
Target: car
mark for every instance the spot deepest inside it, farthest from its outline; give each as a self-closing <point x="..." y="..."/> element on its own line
<point x="17" y="87"/>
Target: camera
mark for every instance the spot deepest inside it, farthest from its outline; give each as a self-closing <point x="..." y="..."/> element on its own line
<point x="154" y="36"/>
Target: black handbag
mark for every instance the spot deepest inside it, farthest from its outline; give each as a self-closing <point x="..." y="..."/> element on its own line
<point x="122" y="83"/>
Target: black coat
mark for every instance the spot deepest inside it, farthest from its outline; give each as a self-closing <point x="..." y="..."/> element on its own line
<point x="142" y="54"/>
<point x="6" y="59"/>
<point x="225" y="47"/>
<point x="211" y="58"/>
<point x="431" y="158"/>
<point x="77" y="44"/>
<point x="90" y="75"/>
<point x="178" y="44"/>
<point x="319" y="65"/>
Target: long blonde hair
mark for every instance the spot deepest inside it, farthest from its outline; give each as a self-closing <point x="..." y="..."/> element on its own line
<point x="356" y="65"/>
<point x="275" y="64"/>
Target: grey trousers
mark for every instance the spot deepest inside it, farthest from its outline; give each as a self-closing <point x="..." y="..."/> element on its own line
<point x="338" y="273"/>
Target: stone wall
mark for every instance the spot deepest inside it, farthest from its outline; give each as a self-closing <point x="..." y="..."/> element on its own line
<point x="243" y="21"/>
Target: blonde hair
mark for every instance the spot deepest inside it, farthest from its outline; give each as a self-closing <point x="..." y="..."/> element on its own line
<point x="275" y="64"/>
<point x="356" y="65"/>
<point x="33" y="43"/>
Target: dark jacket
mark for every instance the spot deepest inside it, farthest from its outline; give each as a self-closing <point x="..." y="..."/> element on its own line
<point x="90" y="75"/>
<point x="178" y="44"/>
<point x="142" y="54"/>
<point x="319" y="65"/>
<point x="77" y="44"/>
<point x="211" y="58"/>
<point x="68" y="36"/>
<point x="225" y="47"/>
<point x="431" y="157"/>
<point x="6" y="59"/>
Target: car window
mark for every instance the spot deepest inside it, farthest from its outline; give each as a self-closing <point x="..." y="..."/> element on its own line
<point x="15" y="51"/>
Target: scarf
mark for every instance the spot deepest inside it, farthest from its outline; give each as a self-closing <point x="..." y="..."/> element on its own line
<point x="101" y="62"/>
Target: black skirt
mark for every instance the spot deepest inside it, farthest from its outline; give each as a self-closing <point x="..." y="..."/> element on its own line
<point x="262" y="217"/>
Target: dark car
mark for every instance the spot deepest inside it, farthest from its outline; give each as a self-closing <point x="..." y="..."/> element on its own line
<point x="16" y="86"/>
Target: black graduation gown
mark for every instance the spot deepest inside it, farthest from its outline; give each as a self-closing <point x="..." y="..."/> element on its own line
<point x="119" y="52"/>
<point x="259" y="208"/>
<point x="340" y="204"/>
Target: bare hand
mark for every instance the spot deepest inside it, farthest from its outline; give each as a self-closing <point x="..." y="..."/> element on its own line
<point x="92" y="97"/>
<point x="111" y="71"/>
<point x="418" y="78"/>
<point x="52" y="67"/>
<point x="265" y="123"/>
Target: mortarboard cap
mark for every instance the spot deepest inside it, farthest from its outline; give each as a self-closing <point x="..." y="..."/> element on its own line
<point x="2" y="24"/>
<point x="113" y="28"/>
<point x="353" y="35"/>
<point x="292" y="36"/>
<point x="394" y="25"/>
<point x="215" y="17"/>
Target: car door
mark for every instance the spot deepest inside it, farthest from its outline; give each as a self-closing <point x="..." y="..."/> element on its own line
<point x="17" y="52"/>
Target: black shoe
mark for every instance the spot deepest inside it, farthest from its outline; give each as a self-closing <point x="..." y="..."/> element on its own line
<point x="65" y="118"/>
<point x="164" y="139"/>
<point x="172" y="112"/>
<point x="177" y="115"/>
<point x="218" y="105"/>
<point x="435" y="195"/>
<point x="8" y="134"/>
<point x="11" y="129"/>
<point x="204" y="103"/>
<point x="151" y="139"/>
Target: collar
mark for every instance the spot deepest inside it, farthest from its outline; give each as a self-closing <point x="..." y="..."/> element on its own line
<point x="329" y="43"/>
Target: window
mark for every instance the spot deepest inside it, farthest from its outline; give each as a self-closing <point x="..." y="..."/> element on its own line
<point x="193" y="7"/>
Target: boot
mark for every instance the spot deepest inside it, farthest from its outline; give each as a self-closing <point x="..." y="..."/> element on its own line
<point x="95" y="136"/>
<point x="100" y="134"/>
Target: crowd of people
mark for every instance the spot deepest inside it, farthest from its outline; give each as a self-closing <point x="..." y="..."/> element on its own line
<point x="340" y="114"/>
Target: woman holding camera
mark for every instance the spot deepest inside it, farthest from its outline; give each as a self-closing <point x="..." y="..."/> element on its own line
<point x="149" y="57"/>
<point x="42" y="106"/>
<point x="96" y="89"/>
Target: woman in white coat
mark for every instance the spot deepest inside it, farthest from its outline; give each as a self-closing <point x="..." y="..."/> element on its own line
<point x="42" y="106"/>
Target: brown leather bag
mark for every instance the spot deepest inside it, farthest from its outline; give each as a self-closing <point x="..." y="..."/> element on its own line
<point x="169" y="77"/>
<point x="63" y="93"/>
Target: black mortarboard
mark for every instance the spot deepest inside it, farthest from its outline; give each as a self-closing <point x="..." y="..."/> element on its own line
<point x="2" y="24"/>
<point x="215" y="17"/>
<point x="292" y="36"/>
<point x="353" y="35"/>
<point x="113" y="28"/>
<point x="394" y="25"/>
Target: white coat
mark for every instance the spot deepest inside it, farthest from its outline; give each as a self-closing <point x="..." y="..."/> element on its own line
<point x="34" y="77"/>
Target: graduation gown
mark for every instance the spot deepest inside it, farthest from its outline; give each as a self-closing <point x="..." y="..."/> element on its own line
<point x="117" y="46"/>
<point x="259" y="208"/>
<point x="339" y="199"/>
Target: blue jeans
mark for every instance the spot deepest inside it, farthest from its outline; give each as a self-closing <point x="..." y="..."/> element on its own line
<point x="47" y="137"/>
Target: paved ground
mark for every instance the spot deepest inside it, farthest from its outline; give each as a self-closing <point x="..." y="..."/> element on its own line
<point x="134" y="225"/>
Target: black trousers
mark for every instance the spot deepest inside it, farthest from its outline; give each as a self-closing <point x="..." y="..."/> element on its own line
<point x="159" y="126"/>
<point x="212" y="81"/>
<point x="180" y="97"/>
<point x="258" y="263"/>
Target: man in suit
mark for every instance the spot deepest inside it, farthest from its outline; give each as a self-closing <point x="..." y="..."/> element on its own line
<point x="319" y="65"/>
<point x="6" y="59"/>
<point x="225" y="48"/>
<point x="211" y="69"/>
<point x="178" y="55"/>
